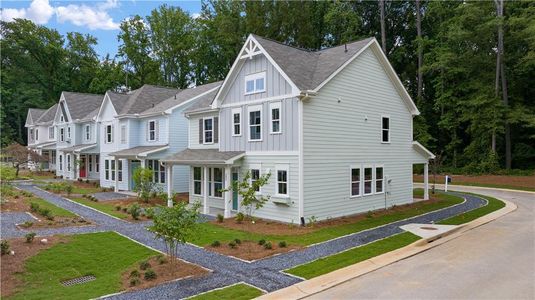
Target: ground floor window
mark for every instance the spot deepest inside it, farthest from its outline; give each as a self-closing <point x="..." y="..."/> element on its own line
<point x="379" y="180"/>
<point x="107" y="169"/>
<point x="218" y="182"/>
<point x="68" y="162"/>
<point x="255" y="175"/>
<point x="355" y="182"/>
<point x="282" y="181"/>
<point x="120" y="170"/>
<point x="112" y="169"/>
<point x="197" y="181"/>
<point x="368" y="180"/>
<point x="53" y="156"/>
<point x="97" y="163"/>
<point x="61" y="162"/>
<point x="158" y="171"/>
<point x="371" y="181"/>
<point x="90" y="162"/>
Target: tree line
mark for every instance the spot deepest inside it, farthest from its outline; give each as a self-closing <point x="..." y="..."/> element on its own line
<point x="469" y="66"/>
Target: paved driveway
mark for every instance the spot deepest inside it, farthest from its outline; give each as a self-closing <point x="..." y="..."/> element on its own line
<point x="494" y="261"/>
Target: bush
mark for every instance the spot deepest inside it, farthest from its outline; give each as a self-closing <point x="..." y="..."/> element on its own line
<point x="4" y="247"/>
<point x="125" y="209"/>
<point x="134" y="210"/>
<point x="216" y="244"/>
<point x="118" y="208"/>
<point x="45" y="212"/>
<point x="29" y="237"/>
<point x="149" y="212"/>
<point x="134" y="274"/>
<point x="7" y="173"/>
<point x="27" y="224"/>
<point x="240" y="217"/>
<point x="237" y="241"/>
<point x="261" y="242"/>
<point x="220" y="218"/>
<point x="144" y="265"/>
<point x="134" y="281"/>
<point x="34" y="207"/>
<point x="150" y="274"/>
<point x="268" y="246"/>
<point x="233" y="245"/>
<point x="161" y="259"/>
<point x="282" y="244"/>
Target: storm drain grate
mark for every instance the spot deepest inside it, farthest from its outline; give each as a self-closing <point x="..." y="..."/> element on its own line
<point x="78" y="280"/>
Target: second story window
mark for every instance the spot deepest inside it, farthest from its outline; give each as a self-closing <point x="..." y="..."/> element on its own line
<point x="109" y="134"/>
<point x="236" y="122"/>
<point x="255" y="83"/>
<point x="36" y="134"/>
<point x="385" y="129"/>
<point x="123" y="134"/>
<point x="68" y="132"/>
<point x="255" y="123"/>
<point x="275" y="109"/>
<point x="62" y="134"/>
<point x="87" y="132"/>
<point x="51" y="132"/>
<point x="208" y="131"/>
<point x="31" y="135"/>
<point x="151" y="130"/>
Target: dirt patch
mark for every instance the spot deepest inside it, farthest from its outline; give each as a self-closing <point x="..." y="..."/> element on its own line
<point x="57" y="222"/>
<point x="513" y="181"/>
<point x="14" y="264"/>
<point x="249" y="250"/>
<point x="165" y="272"/>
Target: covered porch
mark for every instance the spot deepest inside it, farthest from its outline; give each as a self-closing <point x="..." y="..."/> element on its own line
<point x="211" y="171"/>
<point x="86" y="156"/>
<point x="48" y="150"/>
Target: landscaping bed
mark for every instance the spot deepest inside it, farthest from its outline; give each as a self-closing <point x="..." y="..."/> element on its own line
<point x="74" y="188"/>
<point x="250" y="250"/>
<point x="526" y="183"/>
<point x="124" y="208"/>
<point x="240" y="291"/>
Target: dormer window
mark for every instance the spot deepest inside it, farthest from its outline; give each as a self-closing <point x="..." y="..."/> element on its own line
<point x="109" y="134"/>
<point x="255" y="83"/>
<point x="151" y="131"/>
<point x="62" y="134"/>
<point x="61" y="119"/>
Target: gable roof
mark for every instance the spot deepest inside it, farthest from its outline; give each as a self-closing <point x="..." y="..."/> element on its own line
<point x="33" y="115"/>
<point x="118" y="100"/>
<point x="48" y="116"/>
<point x="145" y="98"/>
<point x="82" y="106"/>
<point x="203" y="103"/>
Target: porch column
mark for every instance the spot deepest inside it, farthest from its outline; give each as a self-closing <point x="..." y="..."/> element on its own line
<point x="227" y="196"/>
<point x="426" y="181"/>
<point x="76" y="166"/>
<point x="143" y="163"/>
<point x="116" y="173"/>
<point x="205" y="208"/>
<point x="169" y="169"/>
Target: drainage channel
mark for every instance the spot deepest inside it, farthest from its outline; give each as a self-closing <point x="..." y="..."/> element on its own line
<point x="79" y="280"/>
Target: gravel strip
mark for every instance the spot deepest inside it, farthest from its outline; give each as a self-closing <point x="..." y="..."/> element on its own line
<point x="108" y="196"/>
<point x="8" y="221"/>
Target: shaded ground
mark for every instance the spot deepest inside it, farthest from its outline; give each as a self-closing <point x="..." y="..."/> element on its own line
<point x="498" y="181"/>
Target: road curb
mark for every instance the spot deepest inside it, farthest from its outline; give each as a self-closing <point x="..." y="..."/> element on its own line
<point x="324" y="282"/>
<point x="453" y="186"/>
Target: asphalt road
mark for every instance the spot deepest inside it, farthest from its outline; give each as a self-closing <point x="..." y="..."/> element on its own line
<point x="493" y="261"/>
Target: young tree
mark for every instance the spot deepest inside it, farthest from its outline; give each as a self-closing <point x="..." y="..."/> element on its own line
<point x="20" y="156"/>
<point x="175" y="225"/>
<point x="143" y="183"/>
<point x="248" y="190"/>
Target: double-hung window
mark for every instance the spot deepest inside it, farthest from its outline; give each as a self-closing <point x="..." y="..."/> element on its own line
<point x="385" y="129"/>
<point x="61" y="162"/>
<point x="282" y="180"/>
<point x="158" y="171"/>
<point x="120" y="170"/>
<point x="90" y="159"/>
<point x="109" y="134"/>
<point x="123" y="134"/>
<point x="218" y="182"/>
<point x="151" y="131"/>
<point x="255" y="123"/>
<point x="236" y="121"/>
<point x="107" y="169"/>
<point x="275" y="115"/>
<point x="355" y="181"/>
<point x="112" y="169"/>
<point x="62" y="134"/>
<point x="32" y="137"/>
<point x="36" y="134"/>
<point x="379" y="180"/>
<point x="208" y="133"/>
<point x="255" y="83"/>
<point x="87" y="132"/>
<point x="50" y="132"/>
<point x="97" y="163"/>
<point x="68" y="132"/>
<point x="255" y="175"/>
<point x="197" y="181"/>
<point x="368" y="180"/>
<point x="68" y="162"/>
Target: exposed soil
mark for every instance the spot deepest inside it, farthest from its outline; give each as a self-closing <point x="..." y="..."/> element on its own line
<point x="57" y="222"/>
<point x="14" y="264"/>
<point x="249" y="250"/>
<point x="514" y="181"/>
<point x="164" y="272"/>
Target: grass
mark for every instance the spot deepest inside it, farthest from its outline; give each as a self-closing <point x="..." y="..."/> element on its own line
<point x="105" y="208"/>
<point x="209" y="232"/>
<point x="85" y="191"/>
<point x="493" y="205"/>
<point x="100" y="254"/>
<point x="352" y="256"/>
<point x="55" y="210"/>
<point x="488" y="185"/>
<point x="239" y="291"/>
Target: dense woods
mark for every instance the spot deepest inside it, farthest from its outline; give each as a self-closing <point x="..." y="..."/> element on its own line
<point x="470" y="66"/>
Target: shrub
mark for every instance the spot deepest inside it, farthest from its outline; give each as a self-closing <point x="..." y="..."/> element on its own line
<point x="34" y="207"/>
<point x="149" y="212"/>
<point x="45" y="212"/>
<point x="261" y="242"/>
<point x="150" y="274"/>
<point x="134" y="210"/>
<point x="268" y="246"/>
<point x="144" y="185"/>
<point x="240" y="217"/>
<point x="161" y="259"/>
<point x="29" y="237"/>
<point x="312" y="221"/>
<point x="87" y="181"/>
<point x="134" y="274"/>
<point x="232" y="245"/>
<point x="118" y="208"/>
<point x="125" y="209"/>
<point x="237" y="241"/>
<point x="27" y="224"/>
<point x="282" y="244"/>
<point x="134" y="281"/>
<point x="144" y="265"/>
<point x="4" y="247"/>
<point x="220" y="218"/>
<point x="369" y="214"/>
<point x="216" y="244"/>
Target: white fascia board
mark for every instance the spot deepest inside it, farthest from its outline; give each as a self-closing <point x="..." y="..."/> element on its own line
<point x="106" y="98"/>
<point x="422" y="150"/>
<point x="145" y="154"/>
<point x="170" y="110"/>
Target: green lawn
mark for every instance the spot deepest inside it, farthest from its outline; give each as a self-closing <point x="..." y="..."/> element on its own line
<point x="105" y="208"/>
<point x="85" y="191"/>
<point x="352" y="256"/>
<point x="489" y="185"/>
<point x="102" y="255"/>
<point x="211" y="232"/>
<point x="55" y="210"/>
<point x="235" y="292"/>
<point x="493" y="205"/>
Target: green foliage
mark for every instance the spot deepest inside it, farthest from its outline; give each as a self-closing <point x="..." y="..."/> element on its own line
<point x="239" y="291"/>
<point x="29" y="237"/>
<point x="282" y="244"/>
<point x="7" y="173"/>
<point x="144" y="265"/>
<point x="161" y="259"/>
<point x="150" y="274"/>
<point x="261" y="242"/>
<point x="220" y="218"/>
<point x="268" y="246"/>
<point x="144" y="185"/>
<point x="216" y="244"/>
<point x="4" y="247"/>
<point x="240" y="217"/>
<point x="237" y="241"/>
<point x="135" y="211"/>
<point x="134" y="281"/>
<point x="247" y="189"/>
<point x="134" y="274"/>
<point x="233" y="244"/>
<point x="150" y="212"/>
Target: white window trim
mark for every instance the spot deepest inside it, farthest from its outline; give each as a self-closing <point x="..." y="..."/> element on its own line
<point x="259" y="168"/>
<point x="204" y="131"/>
<point x="68" y="132"/>
<point x="282" y="167"/>
<point x="60" y="157"/>
<point x="107" y="169"/>
<point x="364" y="167"/>
<point x="124" y="136"/>
<point x="222" y="182"/>
<point x="87" y="133"/>
<point x="254" y="77"/>
<point x="375" y="179"/>
<point x="155" y="131"/>
<point x="236" y="111"/>
<point x="193" y="181"/>
<point x="36" y="134"/>
<point x="90" y="163"/>
<point x="97" y="163"/>
<point x="351" y="167"/>
<point x="62" y="134"/>
<point x="68" y="161"/>
<point x="51" y="133"/>
<point x="275" y="105"/>
<point x="389" y="128"/>
<point x="249" y="110"/>
<point x="119" y="170"/>
<point x="106" y="134"/>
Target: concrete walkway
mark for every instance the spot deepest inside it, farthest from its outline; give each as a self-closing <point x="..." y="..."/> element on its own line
<point x="264" y="273"/>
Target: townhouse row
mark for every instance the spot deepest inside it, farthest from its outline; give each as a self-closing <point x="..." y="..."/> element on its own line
<point x="333" y="128"/>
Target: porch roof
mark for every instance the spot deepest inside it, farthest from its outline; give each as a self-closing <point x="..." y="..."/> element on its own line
<point x="44" y="146"/>
<point x="79" y="148"/>
<point x="139" y="151"/>
<point x="204" y="157"/>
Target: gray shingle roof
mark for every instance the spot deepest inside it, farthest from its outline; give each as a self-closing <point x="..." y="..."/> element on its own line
<point x="146" y="97"/>
<point x="134" y="151"/>
<point x="203" y="103"/>
<point x="308" y="69"/>
<point x="203" y="156"/>
<point x="48" y="117"/>
<point x="82" y="106"/>
<point x="118" y="100"/>
<point x="33" y="115"/>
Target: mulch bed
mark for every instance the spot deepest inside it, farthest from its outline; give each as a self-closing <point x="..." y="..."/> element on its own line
<point x="14" y="264"/>
<point x="249" y="250"/>
<point x="164" y="272"/>
<point x="515" y="181"/>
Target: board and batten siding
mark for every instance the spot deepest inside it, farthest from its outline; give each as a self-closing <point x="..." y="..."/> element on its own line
<point x="287" y="140"/>
<point x="275" y="83"/>
<point x="342" y="127"/>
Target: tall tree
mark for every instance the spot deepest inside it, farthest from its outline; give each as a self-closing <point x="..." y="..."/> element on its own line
<point x="420" y="49"/>
<point x="383" y="29"/>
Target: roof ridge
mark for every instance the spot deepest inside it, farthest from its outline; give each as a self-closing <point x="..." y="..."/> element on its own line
<point x="348" y="43"/>
<point x="282" y="44"/>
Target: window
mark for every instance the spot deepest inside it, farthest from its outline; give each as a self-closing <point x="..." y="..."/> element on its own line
<point x="90" y="162"/>
<point x="385" y="129"/>
<point x="255" y="83"/>
<point x="53" y="156"/>
<point x="368" y="180"/>
<point x="31" y="135"/>
<point x="68" y="132"/>
<point x="236" y="122"/>
<point x="355" y="182"/>
<point x="275" y="117"/>
<point x="36" y="134"/>
<point x="50" y="132"/>
<point x="61" y="118"/>
<point x="379" y="180"/>
<point x="68" y="162"/>
<point x="97" y="163"/>
<point x="152" y="130"/>
<point x="218" y="182"/>
<point x="210" y="182"/>
<point x="109" y="134"/>
<point x="255" y="123"/>
<point x="107" y="169"/>
<point x="282" y="180"/>
<point x="120" y="170"/>
<point x="158" y="171"/>
<point x="61" y="162"/>
<point x="255" y="175"/>
<point x="208" y="131"/>
<point x="62" y="134"/>
<point x="87" y="132"/>
<point x="123" y="134"/>
<point x="197" y="181"/>
<point x="112" y="169"/>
